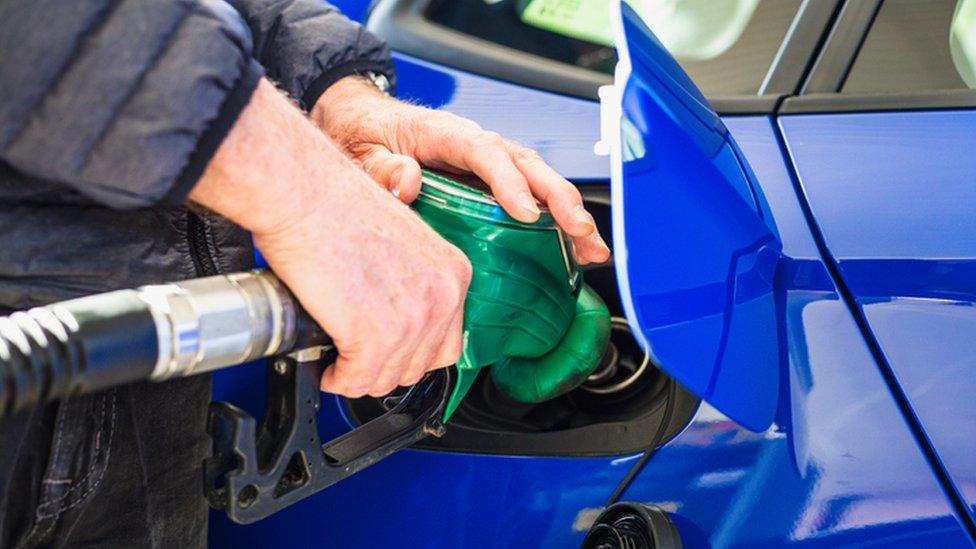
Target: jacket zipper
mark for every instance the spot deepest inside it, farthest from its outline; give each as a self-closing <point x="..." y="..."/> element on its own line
<point x="196" y="236"/>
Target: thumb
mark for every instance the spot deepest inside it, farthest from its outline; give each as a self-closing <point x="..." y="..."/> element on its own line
<point x="398" y="173"/>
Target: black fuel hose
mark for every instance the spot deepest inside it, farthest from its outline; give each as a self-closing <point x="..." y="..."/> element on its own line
<point x="150" y="333"/>
<point x="669" y="403"/>
<point x="78" y="346"/>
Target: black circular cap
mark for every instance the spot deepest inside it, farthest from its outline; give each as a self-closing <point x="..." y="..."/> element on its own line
<point x="632" y="525"/>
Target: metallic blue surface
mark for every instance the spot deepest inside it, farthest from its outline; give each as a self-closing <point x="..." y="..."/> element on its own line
<point x="428" y="499"/>
<point x="838" y="467"/>
<point x="894" y="196"/>
<point x="353" y="9"/>
<point x="562" y="129"/>
<point x="695" y="258"/>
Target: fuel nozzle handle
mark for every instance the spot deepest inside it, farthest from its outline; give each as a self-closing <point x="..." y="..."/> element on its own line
<point x="154" y="332"/>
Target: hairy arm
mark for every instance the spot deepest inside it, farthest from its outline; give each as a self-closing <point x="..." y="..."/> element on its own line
<point x="387" y="288"/>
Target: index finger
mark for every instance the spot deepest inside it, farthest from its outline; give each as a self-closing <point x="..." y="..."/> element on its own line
<point x="486" y="155"/>
<point x="444" y="140"/>
<point x="559" y="195"/>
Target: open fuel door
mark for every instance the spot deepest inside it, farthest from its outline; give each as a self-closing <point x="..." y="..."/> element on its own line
<point x="696" y="248"/>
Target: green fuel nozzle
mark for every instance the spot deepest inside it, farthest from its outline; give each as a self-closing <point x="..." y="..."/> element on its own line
<point x="527" y="314"/>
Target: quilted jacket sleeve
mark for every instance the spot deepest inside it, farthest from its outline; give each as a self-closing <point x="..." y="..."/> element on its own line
<point x="124" y="101"/>
<point x="306" y="45"/>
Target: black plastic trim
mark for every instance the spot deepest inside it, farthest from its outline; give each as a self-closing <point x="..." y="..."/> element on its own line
<point x="611" y="438"/>
<point x="745" y="104"/>
<point x="875" y="102"/>
<point x="403" y="25"/>
<point x="802" y="40"/>
<point x="844" y="41"/>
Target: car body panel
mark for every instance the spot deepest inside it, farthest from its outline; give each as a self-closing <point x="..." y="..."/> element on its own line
<point x="895" y="199"/>
<point x="695" y="255"/>
<point x="822" y="475"/>
<point x="353" y="9"/>
<point x="558" y="127"/>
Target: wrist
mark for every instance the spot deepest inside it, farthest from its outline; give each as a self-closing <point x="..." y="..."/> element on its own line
<point x="345" y="102"/>
<point x="267" y="170"/>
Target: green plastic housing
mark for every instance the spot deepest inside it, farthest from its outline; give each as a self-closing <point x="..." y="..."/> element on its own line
<point x="526" y="311"/>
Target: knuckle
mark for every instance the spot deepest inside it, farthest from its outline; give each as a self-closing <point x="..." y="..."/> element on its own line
<point x="354" y="391"/>
<point x="457" y="121"/>
<point x="456" y="275"/>
<point x="442" y="122"/>
<point x="460" y="261"/>
<point x="442" y="306"/>
<point x="527" y="155"/>
<point x="489" y="139"/>
<point x="412" y="378"/>
<point x="449" y="356"/>
<point x="450" y="351"/>
<point x="573" y="195"/>
<point x="382" y="389"/>
<point x="432" y="124"/>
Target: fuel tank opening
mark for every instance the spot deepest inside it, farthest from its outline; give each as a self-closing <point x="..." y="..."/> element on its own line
<point x="623" y="362"/>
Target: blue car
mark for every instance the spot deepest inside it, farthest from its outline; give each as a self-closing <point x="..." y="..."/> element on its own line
<point x="790" y="186"/>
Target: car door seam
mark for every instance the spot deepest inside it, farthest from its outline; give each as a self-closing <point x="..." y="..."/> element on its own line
<point x="958" y="502"/>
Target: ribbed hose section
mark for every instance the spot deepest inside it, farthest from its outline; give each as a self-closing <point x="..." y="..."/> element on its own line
<point x="154" y="332"/>
<point x="37" y="359"/>
<point x="83" y="345"/>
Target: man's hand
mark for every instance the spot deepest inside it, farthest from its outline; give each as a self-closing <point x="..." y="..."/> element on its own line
<point x="386" y="287"/>
<point x="391" y="139"/>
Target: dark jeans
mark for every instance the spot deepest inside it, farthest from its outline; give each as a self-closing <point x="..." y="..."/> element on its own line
<point x="120" y="468"/>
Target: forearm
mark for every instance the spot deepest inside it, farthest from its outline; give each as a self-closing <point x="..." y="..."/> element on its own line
<point x="271" y="165"/>
<point x="380" y="282"/>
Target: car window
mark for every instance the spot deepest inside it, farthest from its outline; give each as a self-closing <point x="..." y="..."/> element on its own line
<point x="915" y="46"/>
<point x="727" y="47"/>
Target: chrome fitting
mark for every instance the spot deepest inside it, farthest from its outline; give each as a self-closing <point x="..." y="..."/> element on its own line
<point x="209" y="323"/>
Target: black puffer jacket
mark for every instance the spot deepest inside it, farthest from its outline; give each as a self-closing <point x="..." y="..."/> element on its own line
<point x="109" y="113"/>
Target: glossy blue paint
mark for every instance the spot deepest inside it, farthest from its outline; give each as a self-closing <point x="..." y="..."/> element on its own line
<point x="894" y="196"/>
<point x="430" y="499"/>
<point x="838" y="467"/>
<point x="562" y="129"/>
<point x="428" y="84"/>
<point x="353" y="9"/>
<point x="695" y="257"/>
